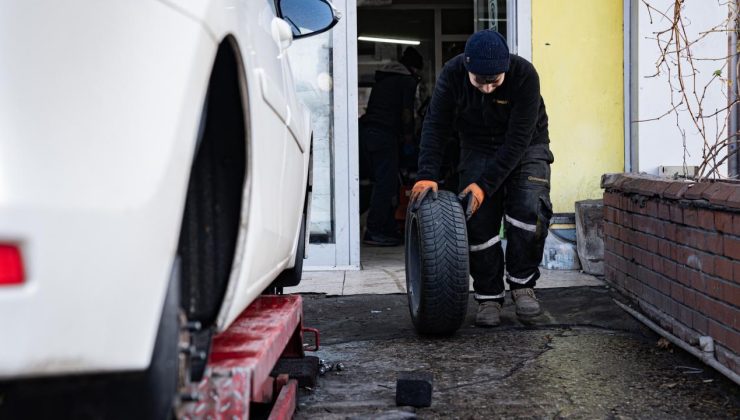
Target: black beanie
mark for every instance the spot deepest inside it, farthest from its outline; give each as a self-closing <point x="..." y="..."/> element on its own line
<point x="412" y="58"/>
<point x="486" y="53"/>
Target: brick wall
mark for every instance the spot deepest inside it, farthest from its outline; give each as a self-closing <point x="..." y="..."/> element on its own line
<point x="673" y="247"/>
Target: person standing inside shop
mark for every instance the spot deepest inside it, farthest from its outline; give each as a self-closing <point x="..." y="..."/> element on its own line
<point x="491" y="98"/>
<point x="387" y="125"/>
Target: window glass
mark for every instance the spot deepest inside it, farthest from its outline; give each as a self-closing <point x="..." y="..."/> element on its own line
<point x="457" y="21"/>
<point x="491" y="14"/>
<point x="452" y="48"/>
<point x="311" y="59"/>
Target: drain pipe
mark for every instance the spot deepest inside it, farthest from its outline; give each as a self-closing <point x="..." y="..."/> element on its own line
<point x="733" y="151"/>
<point x="705" y="356"/>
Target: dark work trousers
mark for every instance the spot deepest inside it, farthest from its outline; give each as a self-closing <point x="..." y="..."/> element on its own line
<point x="524" y="203"/>
<point x="379" y="150"/>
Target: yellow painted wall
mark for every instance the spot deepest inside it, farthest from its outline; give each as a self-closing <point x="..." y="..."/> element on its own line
<point x="577" y="50"/>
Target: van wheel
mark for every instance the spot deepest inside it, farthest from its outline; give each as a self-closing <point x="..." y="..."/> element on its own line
<point x="437" y="268"/>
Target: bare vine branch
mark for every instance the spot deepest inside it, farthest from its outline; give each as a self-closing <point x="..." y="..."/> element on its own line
<point x="689" y="88"/>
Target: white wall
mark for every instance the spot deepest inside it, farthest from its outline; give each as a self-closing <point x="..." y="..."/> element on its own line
<point x="660" y="142"/>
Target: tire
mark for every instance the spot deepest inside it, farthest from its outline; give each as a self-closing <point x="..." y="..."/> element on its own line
<point x="437" y="266"/>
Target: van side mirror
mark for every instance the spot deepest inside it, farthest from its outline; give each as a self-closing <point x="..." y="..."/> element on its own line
<point x="308" y="17"/>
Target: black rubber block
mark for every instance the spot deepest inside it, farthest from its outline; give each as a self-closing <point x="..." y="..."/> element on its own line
<point x="304" y="369"/>
<point x="414" y="389"/>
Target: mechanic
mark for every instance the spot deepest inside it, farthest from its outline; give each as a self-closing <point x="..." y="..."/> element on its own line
<point x="389" y="119"/>
<point x="492" y="99"/>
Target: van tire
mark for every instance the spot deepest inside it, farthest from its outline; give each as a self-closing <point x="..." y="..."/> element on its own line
<point x="437" y="265"/>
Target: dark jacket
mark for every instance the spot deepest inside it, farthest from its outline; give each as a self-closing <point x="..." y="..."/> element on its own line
<point x="393" y="93"/>
<point x="501" y="124"/>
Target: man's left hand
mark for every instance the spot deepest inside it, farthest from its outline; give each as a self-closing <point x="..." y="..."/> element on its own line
<point x="473" y="195"/>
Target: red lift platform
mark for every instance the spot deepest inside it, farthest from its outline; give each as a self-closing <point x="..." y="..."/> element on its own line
<point x="242" y="359"/>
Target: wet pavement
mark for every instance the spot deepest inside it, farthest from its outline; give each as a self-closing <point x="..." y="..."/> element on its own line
<point x="584" y="358"/>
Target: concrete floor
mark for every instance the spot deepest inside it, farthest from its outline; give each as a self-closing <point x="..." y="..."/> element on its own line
<point x="383" y="272"/>
<point x="584" y="358"/>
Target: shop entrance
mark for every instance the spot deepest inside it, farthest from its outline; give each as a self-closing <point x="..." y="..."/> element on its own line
<point x="389" y="32"/>
<point x="336" y="78"/>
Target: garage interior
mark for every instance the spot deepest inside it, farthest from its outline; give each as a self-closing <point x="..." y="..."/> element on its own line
<point x="438" y="30"/>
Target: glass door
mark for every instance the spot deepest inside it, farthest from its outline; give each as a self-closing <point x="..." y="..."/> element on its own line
<point x="322" y="82"/>
<point x="313" y="74"/>
<point x="499" y="16"/>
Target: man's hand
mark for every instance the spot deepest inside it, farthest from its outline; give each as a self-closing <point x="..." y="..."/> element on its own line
<point x="420" y="190"/>
<point x="472" y="197"/>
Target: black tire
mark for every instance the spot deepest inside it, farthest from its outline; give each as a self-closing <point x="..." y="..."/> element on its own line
<point x="437" y="267"/>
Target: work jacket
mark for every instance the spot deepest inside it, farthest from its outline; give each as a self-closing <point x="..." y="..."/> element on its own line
<point x="393" y="93"/>
<point x="502" y="124"/>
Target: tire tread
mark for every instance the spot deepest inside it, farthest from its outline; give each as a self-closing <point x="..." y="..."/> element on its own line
<point x="444" y="266"/>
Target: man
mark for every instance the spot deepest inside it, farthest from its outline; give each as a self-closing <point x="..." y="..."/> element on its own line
<point x="387" y="121"/>
<point x="492" y="99"/>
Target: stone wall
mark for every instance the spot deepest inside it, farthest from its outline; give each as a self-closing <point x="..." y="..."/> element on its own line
<point x="673" y="247"/>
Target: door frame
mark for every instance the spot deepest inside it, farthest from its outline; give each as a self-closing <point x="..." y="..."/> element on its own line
<point x="344" y="253"/>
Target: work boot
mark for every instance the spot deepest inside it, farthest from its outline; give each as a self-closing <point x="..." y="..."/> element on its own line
<point x="378" y="239"/>
<point x="489" y="314"/>
<point x="526" y="302"/>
